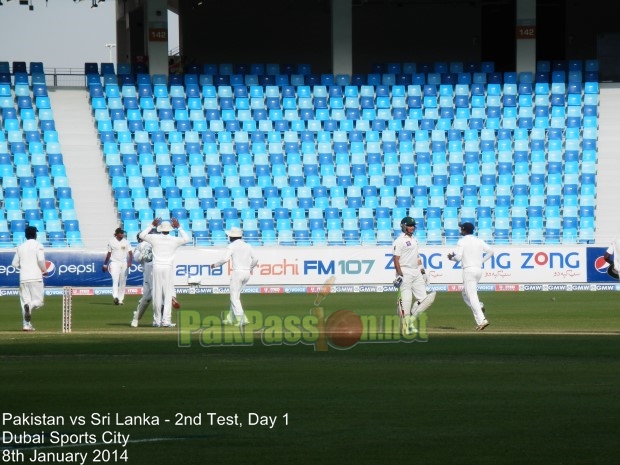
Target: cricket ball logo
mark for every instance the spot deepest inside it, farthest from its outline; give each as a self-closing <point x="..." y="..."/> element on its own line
<point x="342" y="329"/>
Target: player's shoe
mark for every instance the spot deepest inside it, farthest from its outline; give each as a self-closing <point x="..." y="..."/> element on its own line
<point x="116" y="300"/>
<point x="168" y="325"/>
<point x="229" y="319"/>
<point x="408" y="326"/>
<point x="484" y="324"/>
<point x="156" y="324"/>
<point x="134" y="323"/>
<point x="28" y="328"/>
<point x="27" y="314"/>
<point x="242" y="322"/>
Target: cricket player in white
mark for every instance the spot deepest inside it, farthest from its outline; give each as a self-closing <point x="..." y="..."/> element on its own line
<point x="143" y="254"/>
<point x="612" y="256"/>
<point x="29" y="259"/>
<point x="411" y="277"/>
<point x="164" y="248"/>
<point x="117" y="262"/>
<point x="243" y="261"/>
<point x="472" y="252"/>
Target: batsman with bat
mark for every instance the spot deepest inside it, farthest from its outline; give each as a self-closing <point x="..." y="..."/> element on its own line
<point x="411" y="278"/>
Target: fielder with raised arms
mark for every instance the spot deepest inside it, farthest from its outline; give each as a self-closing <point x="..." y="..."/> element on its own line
<point x="143" y="254"/>
<point x="411" y="278"/>
<point x="164" y="248"/>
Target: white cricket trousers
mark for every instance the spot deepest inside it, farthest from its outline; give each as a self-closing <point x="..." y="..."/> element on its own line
<point x="412" y="289"/>
<point x="118" y="271"/>
<point x="147" y="297"/>
<point x="31" y="293"/>
<point x="238" y="280"/>
<point x="471" y="278"/>
<point x="163" y="290"/>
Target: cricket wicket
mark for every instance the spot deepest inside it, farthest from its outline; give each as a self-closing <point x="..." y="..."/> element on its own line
<point x="67" y="304"/>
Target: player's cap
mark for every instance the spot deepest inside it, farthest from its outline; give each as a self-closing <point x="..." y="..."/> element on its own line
<point x="467" y="227"/>
<point x="234" y="232"/>
<point x="166" y="226"/>
<point x="407" y="221"/>
<point x="119" y="231"/>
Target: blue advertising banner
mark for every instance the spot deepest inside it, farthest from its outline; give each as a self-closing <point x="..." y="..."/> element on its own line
<point x="597" y="266"/>
<point x="65" y="268"/>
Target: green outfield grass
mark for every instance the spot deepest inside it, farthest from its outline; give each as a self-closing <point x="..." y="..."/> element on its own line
<point x="539" y="386"/>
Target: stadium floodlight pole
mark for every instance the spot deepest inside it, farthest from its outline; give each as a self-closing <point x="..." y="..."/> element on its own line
<point x="110" y="47"/>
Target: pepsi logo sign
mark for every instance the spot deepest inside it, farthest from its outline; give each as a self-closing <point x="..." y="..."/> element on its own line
<point x="50" y="268"/>
<point x="601" y="265"/>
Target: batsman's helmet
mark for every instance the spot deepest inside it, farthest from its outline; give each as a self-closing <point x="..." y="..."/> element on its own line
<point x="406" y="221"/>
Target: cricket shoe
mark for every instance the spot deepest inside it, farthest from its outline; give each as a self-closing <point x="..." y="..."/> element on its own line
<point x="116" y="301"/>
<point x="242" y="322"/>
<point x="156" y="324"/>
<point x="229" y="319"/>
<point x="27" y="314"/>
<point x="483" y="325"/>
<point x="167" y="324"/>
<point x="28" y="328"/>
<point x="405" y="325"/>
<point x="134" y="323"/>
<point x="412" y="329"/>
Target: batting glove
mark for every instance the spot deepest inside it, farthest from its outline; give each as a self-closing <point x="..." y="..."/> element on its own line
<point x="397" y="282"/>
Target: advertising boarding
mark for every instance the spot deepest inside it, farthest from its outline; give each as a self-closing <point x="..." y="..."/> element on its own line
<point x="355" y="266"/>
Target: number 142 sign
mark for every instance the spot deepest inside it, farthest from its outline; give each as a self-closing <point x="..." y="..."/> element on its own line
<point x="526" y="32"/>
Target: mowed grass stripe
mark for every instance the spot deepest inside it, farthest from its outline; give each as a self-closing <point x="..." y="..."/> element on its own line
<point x="507" y="312"/>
